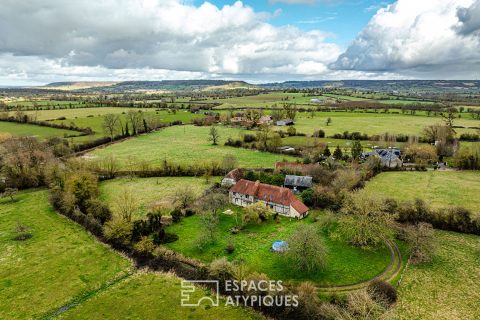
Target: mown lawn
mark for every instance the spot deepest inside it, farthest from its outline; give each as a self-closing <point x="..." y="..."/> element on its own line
<point x="21" y="129"/>
<point x="437" y="188"/>
<point x="372" y="123"/>
<point x="345" y="264"/>
<point x="59" y="262"/>
<point x="185" y="145"/>
<point x="447" y="288"/>
<point x="152" y="296"/>
<point x="151" y="191"/>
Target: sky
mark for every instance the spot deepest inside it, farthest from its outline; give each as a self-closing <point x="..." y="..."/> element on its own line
<point x="43" y="41"/>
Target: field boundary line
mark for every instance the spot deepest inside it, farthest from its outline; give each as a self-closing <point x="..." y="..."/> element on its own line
<point x="74" y="302"/>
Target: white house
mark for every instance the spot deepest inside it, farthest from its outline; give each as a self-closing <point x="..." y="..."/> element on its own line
<point x="280" y="200"/>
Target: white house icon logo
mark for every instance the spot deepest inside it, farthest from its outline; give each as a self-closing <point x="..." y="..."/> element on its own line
<point x="188" y="288"/>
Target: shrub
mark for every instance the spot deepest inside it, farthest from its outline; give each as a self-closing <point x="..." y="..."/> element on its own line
<point x="98" y="210"/>
<point x="247" y="138"/>
<point x="22" y="232"/>
<point x="176" y="215"/>
<point x="230" y="248"/>
<point x="118" y="231"/>
<point x="382" y="291"/>
<point x="144" y="246"/>
<point x="221" y="269"/>
<point x="308" y="197"/>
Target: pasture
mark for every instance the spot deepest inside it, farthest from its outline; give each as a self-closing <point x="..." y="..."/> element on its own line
<point x="345" y="264"/>
<point x="152" y="191"/>
<point x="60" y="261"/>
<point x="30" y="130"/>
<point x="436" y="188"/>
<point x="447" y="288"/>
<point x="152" y="296"/>
<point x="372" y="123"/>
<point x="184" y="145"/>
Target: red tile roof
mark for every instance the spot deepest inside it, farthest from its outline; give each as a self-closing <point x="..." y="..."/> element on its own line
<point x="266" y="192"/>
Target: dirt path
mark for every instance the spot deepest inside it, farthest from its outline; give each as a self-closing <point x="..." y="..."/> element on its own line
<point x="392" y="270"/>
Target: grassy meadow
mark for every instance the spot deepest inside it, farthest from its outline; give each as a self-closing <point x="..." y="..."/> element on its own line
<point x="447" y="288"/>
<point x="184" y="145"/>
<point x="152" y="296"/>
<point x="152" y="191"/>
<point x="60" y="261"/>
<point x="437" y="188"/>
<point x="373" y="123"/>
<point x="23" y="130"/>
<point x="345" y="264"/>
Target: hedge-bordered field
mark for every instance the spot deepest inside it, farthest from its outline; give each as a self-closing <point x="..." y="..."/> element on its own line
<point x="437" y="188"/>
<point x="185" y="145"/>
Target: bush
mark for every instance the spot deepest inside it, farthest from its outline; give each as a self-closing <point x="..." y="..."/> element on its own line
<point x="230" y="248"/>
<point x="382" y="291"/>
<point x="319" y="134"/>
<point x="118" y="231"/>
<point x="307" y="197"/>
<point x="22" y="232"/>
<point x="247" y="138"/>
<point x="176" y="215"/>
<point x="144" y="246"/>
<point x="221" y="269"/>
<point x="98" y="210"/>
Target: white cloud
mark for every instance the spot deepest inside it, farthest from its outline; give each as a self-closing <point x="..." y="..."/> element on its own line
<point x="416" y="38"/>
<point x="159" y="34"/>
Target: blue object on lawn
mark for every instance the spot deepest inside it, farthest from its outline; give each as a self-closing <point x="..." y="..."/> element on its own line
<point x="280" y="246"/>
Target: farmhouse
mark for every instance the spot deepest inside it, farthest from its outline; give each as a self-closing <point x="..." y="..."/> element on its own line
<point x="232" y="177"/>
<point x="264" y="120"/>
<point x="286" y="122"/>
<point x="389" y="157"/>
<point x="281" y="200"/>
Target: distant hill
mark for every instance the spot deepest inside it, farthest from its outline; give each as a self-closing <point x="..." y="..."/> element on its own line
<point x="166" y="85"/>
<point x="68" y="86"/>
<point x="402" y="86"/>
<point x="383" y="85"/>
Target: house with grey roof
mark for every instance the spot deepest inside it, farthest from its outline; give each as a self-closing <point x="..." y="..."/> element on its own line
<point x="298" y="183"/>
<point x="389" y="158"/>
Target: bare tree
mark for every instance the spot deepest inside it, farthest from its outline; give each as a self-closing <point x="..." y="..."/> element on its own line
<point x="213" y="201"/>
<point x="214" y="135"/>
<point x="306" y="250"/>
<point x="126" y="204"/>
<point x="135" y="118"/>
<point x="184" y="197"/>
<point x="110" y="125"/>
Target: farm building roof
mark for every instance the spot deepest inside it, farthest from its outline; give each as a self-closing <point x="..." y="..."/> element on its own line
<point x="269" y="193"/>
<point x="298" y="181"/>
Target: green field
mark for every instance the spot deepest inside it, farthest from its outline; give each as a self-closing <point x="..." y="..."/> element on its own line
<point x="152" y="191"/>
<point x="185" y="145"/>
<point x="372" y="123"/>
<point x="345" y="264"/>
<point x="59" y="262"/>
<point x="152" y="296"/>
<point x="448" y="287"/>
<point x="21" y="129"/>
<point x="93" y="118"/>
<point x="437" y="188"/>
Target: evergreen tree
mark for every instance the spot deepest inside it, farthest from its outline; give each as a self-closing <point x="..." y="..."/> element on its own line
<point x="357" y="149"/>
<point x="327" y="152"/>
<point x="338" y="154"/>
